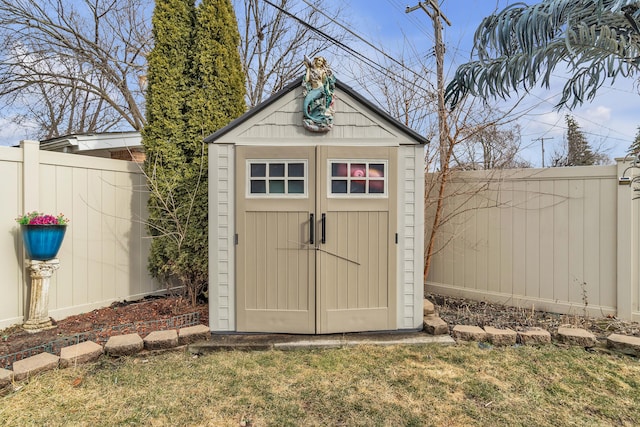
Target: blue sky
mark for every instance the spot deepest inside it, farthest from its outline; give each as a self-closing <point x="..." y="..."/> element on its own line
<point x="609" y="122"/>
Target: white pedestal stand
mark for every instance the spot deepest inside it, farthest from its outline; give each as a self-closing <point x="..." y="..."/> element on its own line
<point x="38" y="315"/>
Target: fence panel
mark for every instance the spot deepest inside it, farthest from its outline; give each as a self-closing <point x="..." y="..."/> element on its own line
<point x="104" y="254"/>
<point x="543" y="238"/>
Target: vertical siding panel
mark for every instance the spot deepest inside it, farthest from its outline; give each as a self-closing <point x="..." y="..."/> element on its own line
<point x="65" y="285"/>
<point x="470" y="265"/>
<point x="81" y="248"/>
<point x="591" y="244"/>
<point x="271" y="240"/>
<point x="506" y="201"/>
<point x="383" y="258"/>
<point x="11" y="286"/>
<point x="294" y="225"/>
<point x="250" y="274"/>
<point x="532" y="242"/>
<point x="282" y="251"/>
<point x="456" y="251"/>
<point x="374" y="279"/>
<point x="561" y="240"/>
<point x="576" y="240"/>
<point x="608" y="242"/>
<point x="363" y="255"/>
<point x="342" y="244"/>
<point x="546" y="233"/>
<point x="354" y="257"/>
<point x="124" y="211"/>
<point x="334" y="281"/>
<point x="94" y="232"/>
<point x="482" y="238"/>
<point x="493" y="248"/>
<point x="130" y="224"/>
<point x="519" y="248"/>
<point x="108" y="221"/>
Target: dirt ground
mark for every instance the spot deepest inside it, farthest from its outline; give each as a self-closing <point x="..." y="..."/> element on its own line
<point x="102" y="322"/>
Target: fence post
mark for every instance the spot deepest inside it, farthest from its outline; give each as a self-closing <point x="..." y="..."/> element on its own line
<point x="627" y="244"/>
<point x="30" y="175"/>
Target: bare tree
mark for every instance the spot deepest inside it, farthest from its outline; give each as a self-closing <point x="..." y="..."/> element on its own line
<point x="275" y="37"/>
<point x="74" y="66"/>
<point x="489" y="145"/>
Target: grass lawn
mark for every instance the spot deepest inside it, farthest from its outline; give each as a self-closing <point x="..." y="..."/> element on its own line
<point x="375" y="386"/>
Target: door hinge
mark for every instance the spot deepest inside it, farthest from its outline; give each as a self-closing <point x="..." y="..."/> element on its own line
<point x="396" y="238"/>
<point x="235" y="239"/>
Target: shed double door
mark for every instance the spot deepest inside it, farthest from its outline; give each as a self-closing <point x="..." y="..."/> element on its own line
<point x="316" y="229"/>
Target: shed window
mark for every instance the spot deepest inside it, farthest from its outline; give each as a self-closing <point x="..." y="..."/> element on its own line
<point x="277" y="178"/>
<point x="358" y="178"/>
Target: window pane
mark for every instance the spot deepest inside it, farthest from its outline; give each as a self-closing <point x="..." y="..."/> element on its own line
<point x="296" y="169"/>
<point x="357" y="187"/>
<point x="339" y="186"/>
<point x="376" y="169"/>
<point x="296" y="186"/>
<point x="358" y="170"/>
<point x="258" y="187"/>
<point x="276" y="187"/>
<point x="258" y="169"/>
<point x="338" y="169"/>
<point x="276" y="169"/>
<point x="376" y="186"/>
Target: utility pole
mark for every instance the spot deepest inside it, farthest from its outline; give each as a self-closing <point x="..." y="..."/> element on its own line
<point x="541" y="139"/>
<point x="435" y="15"/>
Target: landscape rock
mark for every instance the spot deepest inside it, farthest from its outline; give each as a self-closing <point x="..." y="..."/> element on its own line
<point x="193" y="334"/>
<point x="428" y="308"/>
<point x="498" y="337"/>
<point x="5" y="377"/>
<point x="469" y="333"/>
<point x="83" y="352"/>
<point x="32" y="365"/>
<point x="159" y="340"/>
<point x="576" y="336"/>
<point x="624" y="344"/>
<point x="434" y="325"/>
<point x="534" y="336"/>
<point x="123" y="345"/>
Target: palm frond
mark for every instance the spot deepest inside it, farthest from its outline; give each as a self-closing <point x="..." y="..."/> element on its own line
<point x="522" y="45"/>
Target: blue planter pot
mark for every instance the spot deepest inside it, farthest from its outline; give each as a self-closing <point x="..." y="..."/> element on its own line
<point x="42" y="242"/>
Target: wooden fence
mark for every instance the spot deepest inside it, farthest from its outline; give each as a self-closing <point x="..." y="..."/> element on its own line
<point x="104" y="254"/>
<point x="560" y="239"/>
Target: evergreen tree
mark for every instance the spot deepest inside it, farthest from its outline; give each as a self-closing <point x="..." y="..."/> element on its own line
<point x="579" y="152"/>
<point x="195" y="86"/>
<point x="635" y="145"/>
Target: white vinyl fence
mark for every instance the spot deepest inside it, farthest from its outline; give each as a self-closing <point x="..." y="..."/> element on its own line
<point x="565" y="240"/>
<point x="104" y="254"/>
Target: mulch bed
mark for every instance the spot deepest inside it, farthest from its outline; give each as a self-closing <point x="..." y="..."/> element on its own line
<point x="102" y="323"/>
<point x="455" y="311"/>
<point x="461" y="311"/>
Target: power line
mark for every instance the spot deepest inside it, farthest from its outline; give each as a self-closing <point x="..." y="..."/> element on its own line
<point x="357" y="36"/>
<point x="345" y="47"/>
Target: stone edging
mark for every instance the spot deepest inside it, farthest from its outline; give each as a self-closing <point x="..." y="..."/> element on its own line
<point x="433" y="325"/>
<point x="89" y="351"/>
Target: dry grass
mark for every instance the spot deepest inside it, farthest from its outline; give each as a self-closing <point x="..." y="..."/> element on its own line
<point x="428" y="385"/>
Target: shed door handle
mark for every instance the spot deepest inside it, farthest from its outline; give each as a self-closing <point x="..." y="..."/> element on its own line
<point x="324" y="229"/>
<point x="312" y="226"/>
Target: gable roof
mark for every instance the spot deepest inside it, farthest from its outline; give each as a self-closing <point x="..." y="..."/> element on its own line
<point x="410" y="133"/>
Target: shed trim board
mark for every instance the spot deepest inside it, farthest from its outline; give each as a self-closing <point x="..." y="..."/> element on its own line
<point x="274" y="131"/>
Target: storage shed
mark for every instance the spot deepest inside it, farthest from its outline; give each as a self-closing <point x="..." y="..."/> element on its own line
<point x="316" y="232"/>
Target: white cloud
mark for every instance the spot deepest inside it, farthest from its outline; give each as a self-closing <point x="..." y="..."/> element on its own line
<point x="12" y="133"/>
